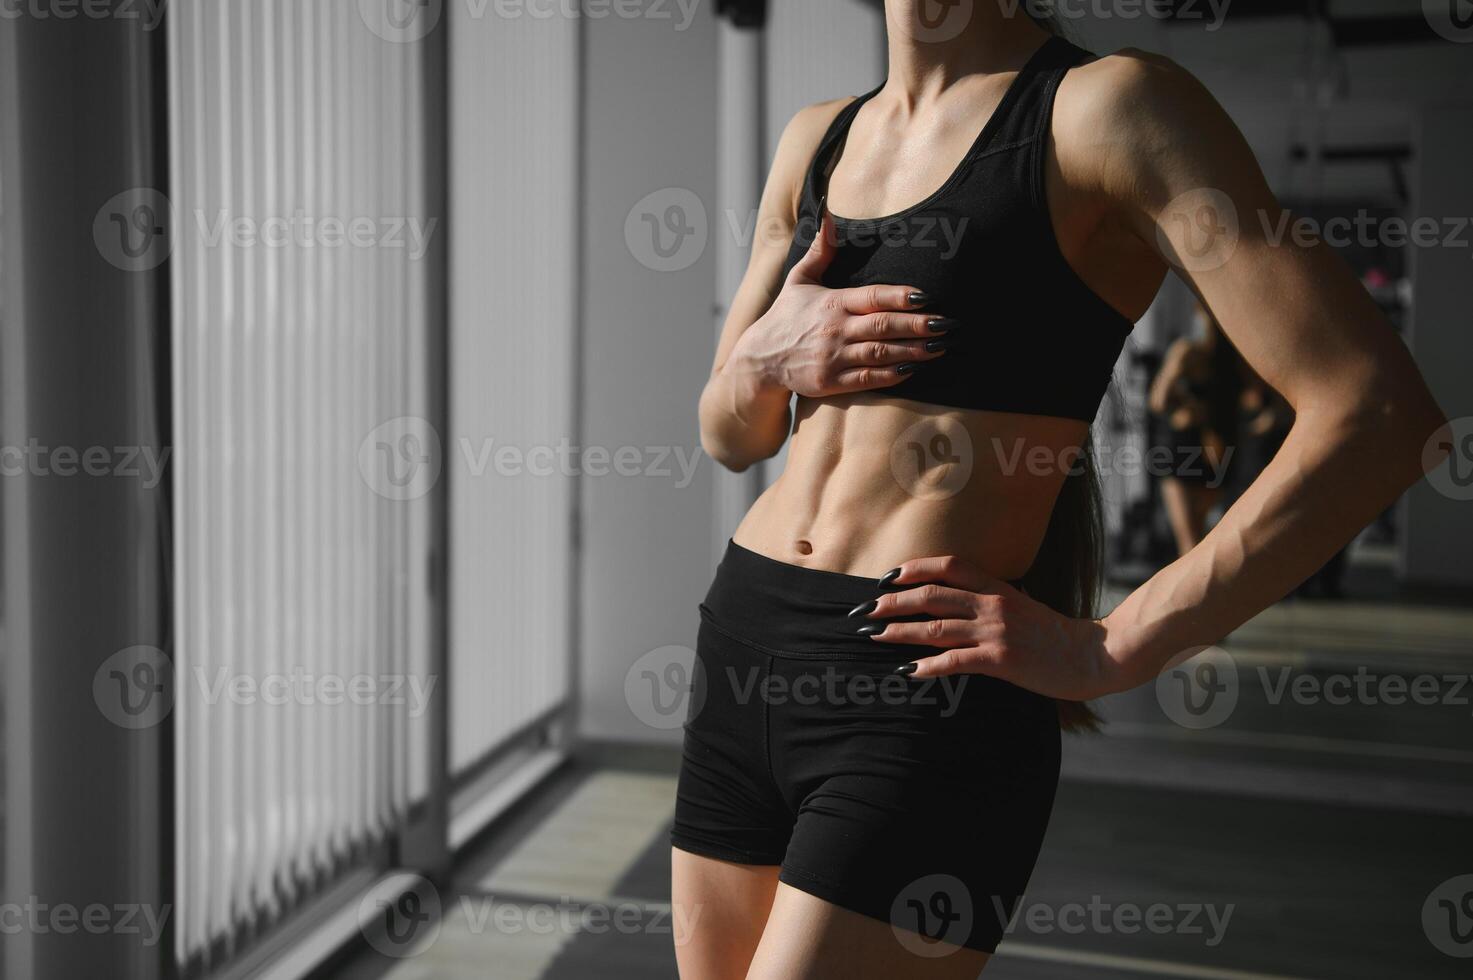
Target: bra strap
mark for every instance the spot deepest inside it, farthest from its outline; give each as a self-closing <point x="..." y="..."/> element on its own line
<point x="837" y="131"/>
<point x="1033" y="102"/>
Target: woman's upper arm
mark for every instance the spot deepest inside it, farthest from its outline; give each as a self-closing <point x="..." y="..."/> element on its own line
<point x="777" y="218"/>
<point x="1187" y="185"/>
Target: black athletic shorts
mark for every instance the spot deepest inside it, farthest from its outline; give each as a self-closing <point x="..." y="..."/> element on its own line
<point x="919" y="803"/>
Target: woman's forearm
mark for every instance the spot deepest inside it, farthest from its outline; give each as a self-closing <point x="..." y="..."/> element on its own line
<point x="745" y="416"/>
<point x="1335" y="472"/>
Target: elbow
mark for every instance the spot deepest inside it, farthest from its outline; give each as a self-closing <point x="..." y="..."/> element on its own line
<point x="1414" y="424"/>
<point x="725" y="454"/>
<point x="1406" y="429"/>
<point x="720" y="452"/>
<point x="731" y="442"/>
<point x="715" y="442"/>
<point x="735" y="464"/>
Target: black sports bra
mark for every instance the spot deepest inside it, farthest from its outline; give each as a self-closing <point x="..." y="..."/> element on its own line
<point x="1032" y="338"/>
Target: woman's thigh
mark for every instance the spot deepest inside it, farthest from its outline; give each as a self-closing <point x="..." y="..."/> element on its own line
<point x="809" y="939"/>
<point x="718" y="911"/>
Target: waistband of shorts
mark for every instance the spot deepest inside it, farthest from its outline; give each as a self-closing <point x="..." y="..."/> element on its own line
<point x="798" y="613"/>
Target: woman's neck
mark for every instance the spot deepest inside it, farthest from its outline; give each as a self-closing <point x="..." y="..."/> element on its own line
<point x="934" y="42"/>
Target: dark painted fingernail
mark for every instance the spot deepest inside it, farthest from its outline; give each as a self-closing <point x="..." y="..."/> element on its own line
<point x="905" y="670"/>
<point x="871" y="629"/>
<point x="821" y="202"/>
<point x="940" y="324"/>
<point x="939" y="344"/>
<point x="918" y="298"/>
<point x="905" y="368"/>
<point x="889" y="577"/>
<point x="865" y="608"/>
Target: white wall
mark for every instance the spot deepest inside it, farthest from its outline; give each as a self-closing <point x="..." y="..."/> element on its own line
<point x="513" y="282"/>
<point x="649" y="128"/>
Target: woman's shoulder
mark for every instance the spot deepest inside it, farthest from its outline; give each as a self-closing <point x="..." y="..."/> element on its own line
<point x="806" y="128"/>
<point x="1127" y="75"/>
<point x="1139" y="129"/>
<point x="796" y="147"/>
<point x="1146" y="99"/>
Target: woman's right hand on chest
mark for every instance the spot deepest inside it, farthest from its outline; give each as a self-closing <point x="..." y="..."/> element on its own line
<point x="816" y="341"/>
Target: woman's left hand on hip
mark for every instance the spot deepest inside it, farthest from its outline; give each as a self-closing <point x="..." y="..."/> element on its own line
<point x="986" y="626"/>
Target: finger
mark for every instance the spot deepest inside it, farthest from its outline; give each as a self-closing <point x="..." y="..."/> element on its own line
<point x="891" y="326"/>
<point x="870" y="378"/>
<point x="962" y="660"/>
<point x="942" y="633"/>
<point x="948" y="570"/>
<point x="879" y="354"/>
<point x="811" y="267"/>
<point x="878" y="298"/>
<point x="927" y="600"/>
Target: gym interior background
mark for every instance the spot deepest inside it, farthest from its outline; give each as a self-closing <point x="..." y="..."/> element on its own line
<point x="355" y="517"/>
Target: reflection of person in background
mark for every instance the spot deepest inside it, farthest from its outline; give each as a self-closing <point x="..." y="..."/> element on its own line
<point x="1198" y="393"/>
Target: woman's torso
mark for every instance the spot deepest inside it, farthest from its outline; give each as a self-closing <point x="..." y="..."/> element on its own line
<point x="872" y="481"/>
<point x="968" y="456"/>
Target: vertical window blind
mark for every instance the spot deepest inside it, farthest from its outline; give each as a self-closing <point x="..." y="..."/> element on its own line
<point x="298" y="396"/>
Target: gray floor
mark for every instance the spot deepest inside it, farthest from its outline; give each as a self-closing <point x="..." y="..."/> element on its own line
<point x="1320" y="830"/>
